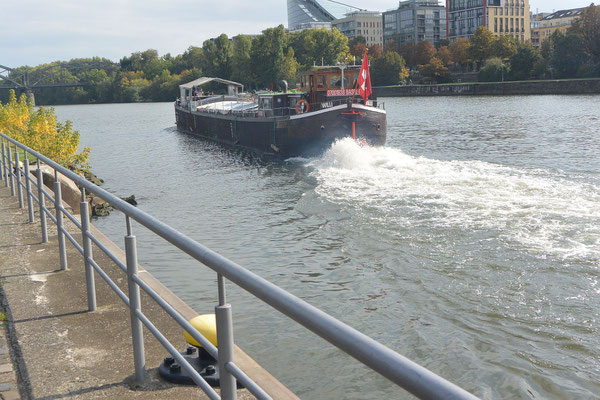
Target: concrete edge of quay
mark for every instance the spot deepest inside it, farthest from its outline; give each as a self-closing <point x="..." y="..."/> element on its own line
<point x="518" y="88"/>
<point x="57" y="348"/>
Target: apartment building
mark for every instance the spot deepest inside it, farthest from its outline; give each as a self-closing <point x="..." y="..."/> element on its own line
<point x="415" y="21"/>
<point x="502" y="17"/>
<point x="544" y="27"/>
<point x="368" y="24"/>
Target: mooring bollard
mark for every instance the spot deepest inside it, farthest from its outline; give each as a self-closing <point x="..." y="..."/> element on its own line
<point x="62" y="251"/>
<point x="225" y="340"/>
<point x="41" y="201"/>
<point x="18" y="175"/>
<point x="87" y="252"/>
<point x="137" y="333"/>
<point x="28" y="189"/>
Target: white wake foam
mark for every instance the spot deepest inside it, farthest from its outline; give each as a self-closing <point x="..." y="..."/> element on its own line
<point x="540" y="209"/>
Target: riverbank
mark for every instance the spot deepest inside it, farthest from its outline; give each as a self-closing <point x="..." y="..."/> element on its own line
<point x="547" y="87"/>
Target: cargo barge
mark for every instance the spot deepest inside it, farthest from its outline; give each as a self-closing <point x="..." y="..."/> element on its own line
<point x="296" y="123"/>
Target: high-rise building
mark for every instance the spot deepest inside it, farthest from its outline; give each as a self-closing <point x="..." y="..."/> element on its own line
<point x="415" y="21"/>
<point x="367" y="24"/>
<point x="545" y="25"/>
<point x="306" y="12"/>
<point x="502" y="17"/>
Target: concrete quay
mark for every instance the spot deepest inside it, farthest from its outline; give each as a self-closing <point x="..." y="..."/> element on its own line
<point x="520" y="88"/>
<point x="54" y="348"/>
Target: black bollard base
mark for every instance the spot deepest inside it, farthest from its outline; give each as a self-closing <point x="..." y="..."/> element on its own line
<point x="200" y="360"/>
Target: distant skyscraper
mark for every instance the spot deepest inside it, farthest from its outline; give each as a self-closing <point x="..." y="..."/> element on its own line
<point x="305" y="12"/>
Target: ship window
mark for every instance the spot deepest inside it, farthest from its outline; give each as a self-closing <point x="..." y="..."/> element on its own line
<point x="267" y="103"/>
<point x="321" y="81"/>
<point x="335" y="81"/>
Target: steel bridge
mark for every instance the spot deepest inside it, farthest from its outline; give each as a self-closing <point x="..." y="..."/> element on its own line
<point x="26" y="81"/>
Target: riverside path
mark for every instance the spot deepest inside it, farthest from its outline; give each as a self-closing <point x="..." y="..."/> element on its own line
<point x="52" y="347"/>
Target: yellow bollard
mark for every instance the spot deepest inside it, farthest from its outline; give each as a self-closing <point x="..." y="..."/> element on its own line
<point x="206" y="324"/>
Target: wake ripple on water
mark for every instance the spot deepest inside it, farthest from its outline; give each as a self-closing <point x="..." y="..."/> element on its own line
<point x="541" y="210"/>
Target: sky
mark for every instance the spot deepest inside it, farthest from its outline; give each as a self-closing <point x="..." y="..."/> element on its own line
<point x="35" y="32"/>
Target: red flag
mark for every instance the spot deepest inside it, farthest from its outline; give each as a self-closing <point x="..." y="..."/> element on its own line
<point x="364" y="80"/>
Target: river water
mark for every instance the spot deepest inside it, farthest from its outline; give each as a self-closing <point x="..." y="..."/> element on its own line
<point x="469" y="244"/>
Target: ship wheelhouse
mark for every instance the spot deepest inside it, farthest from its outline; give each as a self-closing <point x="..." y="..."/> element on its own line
<point x="327" y="84"/>
<point x="279" y="104"/>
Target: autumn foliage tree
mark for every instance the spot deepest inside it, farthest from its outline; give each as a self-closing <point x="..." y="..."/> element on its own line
<point x="458" y="51"/>
<point x="40" y="130"/>
<point x="435" y="70"/>
<point x="480" y="46"/>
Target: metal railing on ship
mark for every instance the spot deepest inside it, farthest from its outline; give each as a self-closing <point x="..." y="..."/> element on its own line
<point x="276" y="112"/>
<point x="400" y="370"/>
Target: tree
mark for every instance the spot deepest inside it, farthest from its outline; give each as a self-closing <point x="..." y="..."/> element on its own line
<point x="459" y="51"/>
<point x="588" y="28"/>
<point x="319" y="46"/>
<point x="290" y="67"/>
<point x="480" y="45"/>
<point x="569" y="54"/>
<point x="444" y="55"/>
<point x="523" y="61"/>
<point x="40" y="130"/>
<point x="547" y="48"/>
<point x="128" y="85"/>
<point x="425" y="50"/>
<point x="435" y="70"/>
<point x="386" y="69"/>
<point x="358" y="50"/>
<point x="241" y="63"/>
<point x="267" y="56"/>
<point x="375" y="51"/>
<point x="329" y="46"/>
<point x="503" y="47"/>
<point x="154" y="67"/>
<point x="492" y="71"/>
<point x="408" y="51"/>
<point x="192" y="58"/>
<point x="98" y="86"/>
<point x="147" y="61"/>
<point x="390" y="45"/>
<point x="356" y="40"/>
<point x="218" y="56"/>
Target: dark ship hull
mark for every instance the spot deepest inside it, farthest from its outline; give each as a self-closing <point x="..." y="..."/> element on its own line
<point x="300" y="135"/>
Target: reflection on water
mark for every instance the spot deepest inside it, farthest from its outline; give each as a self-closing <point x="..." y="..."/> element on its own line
<point x="470" y="244"/>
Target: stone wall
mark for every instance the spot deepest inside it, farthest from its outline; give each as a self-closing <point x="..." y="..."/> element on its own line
<point x="579" y="86"/>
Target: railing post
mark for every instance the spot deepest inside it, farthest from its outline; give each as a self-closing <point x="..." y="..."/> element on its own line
<point x="18" y="174"/>
<point x="62" y="251"/>
<point x="42" y="201"/>
<point x="87" y="252"/>
<point x="2" y="164"/>
<point x="225" y="342"/>
<point x="137" y="334"/>
<point x="28" y="189"/>
<point x="10" y="172"/>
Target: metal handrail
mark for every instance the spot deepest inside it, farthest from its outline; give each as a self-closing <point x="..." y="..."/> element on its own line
<point x="400" y="370"/>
